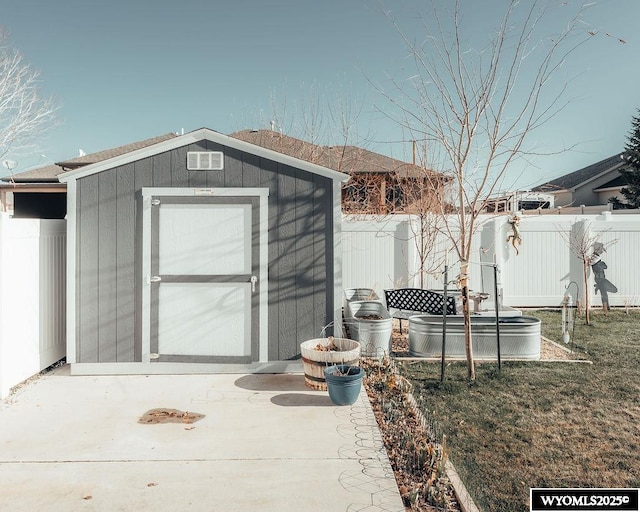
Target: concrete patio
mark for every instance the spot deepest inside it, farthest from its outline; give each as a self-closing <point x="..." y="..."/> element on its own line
<point x="265" y="443"/>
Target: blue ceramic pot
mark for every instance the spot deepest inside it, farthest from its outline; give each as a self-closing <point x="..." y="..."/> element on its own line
<point x="344" y="383"/>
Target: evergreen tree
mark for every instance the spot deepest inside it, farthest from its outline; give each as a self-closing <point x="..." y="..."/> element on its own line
<point x="631" y="173"/>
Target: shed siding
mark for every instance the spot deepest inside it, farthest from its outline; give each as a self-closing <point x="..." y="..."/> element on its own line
<point x="108" y="282"/>
<point x="285" y="275"/>
<point x="268" y="179"/>
<point x="107" y="298"/>
<point x="323" y="251"/>
<point x="233" y="168"/>
<point x="125" y="258"/>
<point x="304" y="261"/>
<point x="88" y="270"/>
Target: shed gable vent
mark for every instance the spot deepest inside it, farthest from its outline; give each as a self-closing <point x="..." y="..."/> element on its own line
<point x="205" y="161"/>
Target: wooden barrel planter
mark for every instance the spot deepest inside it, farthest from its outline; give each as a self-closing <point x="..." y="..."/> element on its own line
<point x="320" y="353"/>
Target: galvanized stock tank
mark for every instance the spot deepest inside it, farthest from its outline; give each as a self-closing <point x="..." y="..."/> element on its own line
<point x="519" y="337"/>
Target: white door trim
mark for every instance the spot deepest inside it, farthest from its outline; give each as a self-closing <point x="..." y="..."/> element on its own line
<point x="152" y="192"/>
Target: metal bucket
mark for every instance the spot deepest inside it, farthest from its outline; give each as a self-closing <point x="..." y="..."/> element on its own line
<point x="519" y="337"/>
<point x="357" y="294"/>
<point x="374" y="334"/>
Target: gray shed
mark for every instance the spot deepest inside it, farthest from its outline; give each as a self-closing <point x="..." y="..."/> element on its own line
<point x="201" y="253"/>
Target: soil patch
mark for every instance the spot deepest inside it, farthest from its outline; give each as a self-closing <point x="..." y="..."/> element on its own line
<point x="155" y="416"/>
<point x="552" y="351"/>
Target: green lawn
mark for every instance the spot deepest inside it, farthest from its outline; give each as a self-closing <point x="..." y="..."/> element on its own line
<point x="542" y="424"/>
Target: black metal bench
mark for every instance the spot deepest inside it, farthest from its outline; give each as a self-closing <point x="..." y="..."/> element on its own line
<point x="405" y="302"/>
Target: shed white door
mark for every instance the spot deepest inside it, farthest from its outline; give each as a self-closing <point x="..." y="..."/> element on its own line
<point x="205" y="279"/>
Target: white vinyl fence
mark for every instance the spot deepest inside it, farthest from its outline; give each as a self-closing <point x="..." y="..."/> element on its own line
<point x="32" y="297"/>
<point x="381" y="253"/>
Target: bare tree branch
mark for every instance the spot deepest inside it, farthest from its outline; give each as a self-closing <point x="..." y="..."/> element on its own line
<point x="24" y="113"/>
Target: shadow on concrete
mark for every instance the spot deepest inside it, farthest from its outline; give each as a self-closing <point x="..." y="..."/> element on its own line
<point x="302" y="400"/>
<point x="272" y="382"/>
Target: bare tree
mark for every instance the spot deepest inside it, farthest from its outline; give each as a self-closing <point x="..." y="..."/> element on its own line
<point x="321" y="118"/>
<point x="587" y="247"/>
<point x="24" y="112"/>
<point x="420" y="190"/>
<point x="476" y="106"/>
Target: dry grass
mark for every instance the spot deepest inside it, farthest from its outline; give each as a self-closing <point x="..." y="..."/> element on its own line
<point x="542" y="424"/>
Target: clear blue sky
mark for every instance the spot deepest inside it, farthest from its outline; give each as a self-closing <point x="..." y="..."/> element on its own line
<point x="126" y="70"/>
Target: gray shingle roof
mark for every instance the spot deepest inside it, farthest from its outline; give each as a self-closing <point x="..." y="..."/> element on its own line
<point x="574" y="179"/>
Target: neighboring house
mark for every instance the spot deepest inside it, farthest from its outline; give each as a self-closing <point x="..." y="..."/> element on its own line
<point x="379" y="184"/>
<point x="38" y="193"/>
<point x="200" y="253"/>
<point x="591" y="186"/>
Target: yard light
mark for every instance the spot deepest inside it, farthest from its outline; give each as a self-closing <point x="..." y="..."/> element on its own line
<point x="567" y="314"/>
<point x="567" y="317"/>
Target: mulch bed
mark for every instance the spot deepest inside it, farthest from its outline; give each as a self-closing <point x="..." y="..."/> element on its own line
<point x="417" y="461"/>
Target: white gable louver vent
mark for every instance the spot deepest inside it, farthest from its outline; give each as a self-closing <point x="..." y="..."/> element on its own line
<point x="205" y="161"/>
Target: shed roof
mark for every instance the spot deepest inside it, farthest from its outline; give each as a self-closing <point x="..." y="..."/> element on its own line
<point x="582" y="176"/>
<point x="197" y="136"/>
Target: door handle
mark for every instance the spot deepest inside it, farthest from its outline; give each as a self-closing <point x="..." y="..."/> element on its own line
<point x="253" y="281"/>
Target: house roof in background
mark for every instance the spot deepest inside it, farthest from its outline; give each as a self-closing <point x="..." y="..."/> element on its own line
<point x="347" y="159"/>
<point x="50" y="173"/>
<point x="46" y="174"/>
<point x="194" y="137"/>
<point x="100" y="156"/>
<point x="344" y="159"/>
<point x="582" y="176"/>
